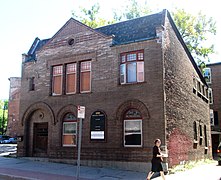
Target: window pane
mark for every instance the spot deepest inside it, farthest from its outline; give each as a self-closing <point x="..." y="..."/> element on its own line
<point x="70" y="117"/>
<point x="140" y="71"/>
<point x="85" y="82"/>
<point x="69" y="128"/>
<point x="207" y="74"/>
<point x="57" y="82"/>
<point x="133" y="139"/>
<point x="123" y="73"/>
<point x="123" y="59"/>
<point x="71" y="83"/>
<point x="131" y="72"/>
<point x="57" y="70"/>
<point x="140" y="56"/>
<point x="132" y="131"/>
<point x="71" y="68"/>
<point x="132" y="57"/>
<point x="69" y="140"/>
<point x="132" y="126"/>
<point x="85" y="66"/>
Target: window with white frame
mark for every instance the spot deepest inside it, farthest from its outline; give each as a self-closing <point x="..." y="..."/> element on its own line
<point x="69" y="130"/>
<point x="132" y="67"/>
<point x="207" y="75"/>
<point x="211" y="117"/>
<point x="132" y="128"/>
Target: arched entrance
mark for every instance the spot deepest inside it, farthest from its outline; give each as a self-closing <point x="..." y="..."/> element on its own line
<point x="38" y="121"/>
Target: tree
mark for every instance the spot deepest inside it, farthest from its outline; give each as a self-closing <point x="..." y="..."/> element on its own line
<point x="3" y="116"/>
<point x="195" y="31"/>
<point x="90" y="17"/>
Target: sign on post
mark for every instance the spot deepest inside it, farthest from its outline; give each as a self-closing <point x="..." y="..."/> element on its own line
<point x="81" y="115"/>
<point x="81" y="112"/>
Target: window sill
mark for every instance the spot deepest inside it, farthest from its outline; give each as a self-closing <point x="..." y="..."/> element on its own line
<point x="135" y="83"/>
<point x="195" y="142"/>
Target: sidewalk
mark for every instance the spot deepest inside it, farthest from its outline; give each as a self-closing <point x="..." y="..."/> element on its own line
<point x="20" y="169"/>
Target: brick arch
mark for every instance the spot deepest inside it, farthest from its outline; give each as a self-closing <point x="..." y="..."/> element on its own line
<point x="39" y="105"/>
<point x="133" y="104"/>
<point x="66" y="109"/>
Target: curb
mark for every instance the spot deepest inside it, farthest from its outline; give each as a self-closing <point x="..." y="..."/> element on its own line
<point x="12" y="177"/>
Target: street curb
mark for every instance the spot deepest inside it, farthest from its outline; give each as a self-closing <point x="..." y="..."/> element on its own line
<point x="12" y="177"/>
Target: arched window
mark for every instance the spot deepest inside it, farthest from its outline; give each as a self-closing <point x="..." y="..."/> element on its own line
<point x="69" y="136"/>
<point x="132" y="128"/>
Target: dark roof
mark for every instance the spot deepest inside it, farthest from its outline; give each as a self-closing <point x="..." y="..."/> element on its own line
<point x="37" y="44"/>
<point x="134" y="30"/>
<point x="214" y="64"/>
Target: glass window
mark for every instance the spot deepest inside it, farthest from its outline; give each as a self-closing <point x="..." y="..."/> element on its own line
<point x="195" y="130"/>
<point x="210" y="96"/>
<point x="132" y="67"/>
<point x="31" y="84"/>
<point x="71" y="78"/>
<point x="132" y="132"/>
<point x="57" y="80"/>
<point x="207" y="75"/>
<point x="132" y="72"/>
<point x="85" y="77"/>
<point x="69" y="130"/>
<point x="123" y="73"/>
<point x="132" y="128"/>
<point x="211" y="117"/>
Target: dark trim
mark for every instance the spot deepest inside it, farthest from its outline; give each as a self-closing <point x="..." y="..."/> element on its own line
<point x="214" y="64"/>
<point x="185" y="48"/>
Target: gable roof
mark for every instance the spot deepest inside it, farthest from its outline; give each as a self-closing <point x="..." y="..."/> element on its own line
<point x="139" y="29"/>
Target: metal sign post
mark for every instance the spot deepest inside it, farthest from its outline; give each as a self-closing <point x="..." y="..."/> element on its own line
<point x="81" y="116"/>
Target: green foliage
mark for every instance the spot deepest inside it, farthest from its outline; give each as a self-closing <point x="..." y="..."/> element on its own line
<point x="195" y="31"/>
<point x="90" y="17"/>
<point x="3" y="116"/>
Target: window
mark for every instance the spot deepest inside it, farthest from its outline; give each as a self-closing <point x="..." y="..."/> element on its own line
<point x="132" y="128"/>
<point x="201" y="135"/>
<point x="132" y="67"/>
<point x="71" y="78"/>
<point x="207" y="75"/>
<point x="216" y="119"/>
<point x="205" y="136"/>
<point x="57" y="80"/>
<point x="69" y="130"/>
<point x="211" y="117"/>
<point x="210" y="95"/>
<point x="195" y="130"/>
<point x="85" y="77"/>
<point x="31" y="84"/>
<point x="194" y="85"/>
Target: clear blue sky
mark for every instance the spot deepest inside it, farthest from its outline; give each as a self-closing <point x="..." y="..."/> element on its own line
<point x="23" y="20"/>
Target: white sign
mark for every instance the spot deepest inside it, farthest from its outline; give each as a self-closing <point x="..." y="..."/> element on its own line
<point x="81" y="112"/>
<point x="97" y="134"/>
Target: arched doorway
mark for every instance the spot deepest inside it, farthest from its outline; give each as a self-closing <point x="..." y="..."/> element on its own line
<point x="38" y="121"/>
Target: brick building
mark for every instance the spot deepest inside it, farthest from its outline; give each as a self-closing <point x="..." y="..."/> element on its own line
<point x="137" y="81"/>
<point x="213" y="77"/>
<point x="13" y="106"/>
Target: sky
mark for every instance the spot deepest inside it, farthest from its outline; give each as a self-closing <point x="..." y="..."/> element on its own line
<point x="21" y="21"/>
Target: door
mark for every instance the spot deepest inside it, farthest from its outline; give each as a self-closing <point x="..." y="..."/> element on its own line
<point x="40" y="143"/>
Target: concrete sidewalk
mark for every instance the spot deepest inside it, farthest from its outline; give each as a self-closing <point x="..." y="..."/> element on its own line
<point x="20" y="168"/>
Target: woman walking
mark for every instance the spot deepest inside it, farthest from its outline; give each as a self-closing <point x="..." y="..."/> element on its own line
<point x="156" y="160"/>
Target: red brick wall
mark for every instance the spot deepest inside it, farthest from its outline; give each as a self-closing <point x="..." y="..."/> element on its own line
<point x="13" y="106"/>
<point x="182" y="106"/>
